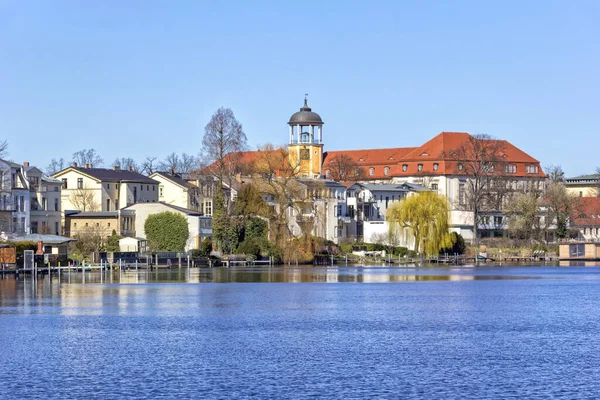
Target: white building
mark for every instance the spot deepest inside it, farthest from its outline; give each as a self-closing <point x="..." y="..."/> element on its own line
<point x="45" y="200"/>
<point x="15" y="215"/>
<point x="199" y="226"/>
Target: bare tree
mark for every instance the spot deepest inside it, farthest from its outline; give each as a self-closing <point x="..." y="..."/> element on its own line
<point x="55" y="166"/>
<point x="561" y="206"/>
<point x="84" y="199"/>
<point x="126" y="163"/>
<point x="343" y="168"/>
<point x="224" y="140"/>
<point x="3" y="148"/>
<point x="149" y="166"/>
<point x="479" y="159"/>
<point x="87" y="157"/>
<point x="189" y="163"/>
<point x="597" y="189"/>
<point x="555" y="173"/>
<point x="171" y="163"/>
<point x="524" y="220"/>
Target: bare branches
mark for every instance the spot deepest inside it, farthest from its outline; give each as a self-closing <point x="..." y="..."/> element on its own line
<point x="183" y="164"/>
<point x="555" y="173"/>
<point x="149" y="166"/>
<point x="84" y="199"/>
<point x="343" y="168"/>
<point x="87" y="157"/>
<point x="55" y="166"/>
<point x="3" y="148"/>
<point x="126" y="163"/>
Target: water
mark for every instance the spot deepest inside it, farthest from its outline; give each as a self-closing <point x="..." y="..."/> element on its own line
<point x="485" y="332"/>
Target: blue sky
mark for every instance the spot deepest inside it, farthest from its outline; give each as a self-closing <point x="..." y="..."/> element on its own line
<point x="139" y="78"/>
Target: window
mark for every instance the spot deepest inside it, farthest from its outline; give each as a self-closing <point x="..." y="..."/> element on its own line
<point x="64" y="183"/>
<point x="436" y="166"/>
<point x="161" y="191"/>
<point x="153" y="188"/>
<point x="107" y="204"/>
<point x="108" y="186"/>
<point x="304" y="154"/>
<point x="116" y="204"/>
<point x="510" y="169"/>
<point x="109" y="224"/>
<point x="461" y="194"/>
<point x="419" y="167"/>
<point x="404" y="167"/>
<point x="498" y="220"/>
<point x="357" y="172"/>
<point x="79" y="183"/>
<point x="434" y="186"/>
<point x="56" y="207"/>
<point x="34" y="227"/>
<point x="57" y="228"/>
<point x="208" y="208"/>
<point x="75" y="225"/>
<point x="387" y="201"/>
<point x="460" y="167"/>
<point x="44" y="204"/>
<point x="386" y="170"/>
<point x="141" y="188"/>
<point x="371" y="171"/>
<point x="147" y="188"/>
<point x="532" y="169"/>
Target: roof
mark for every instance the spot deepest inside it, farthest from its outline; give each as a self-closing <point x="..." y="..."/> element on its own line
<point x="46" y="239"/>
<point x="110" y="175"/>
<point x="91" y="214"/>
<point x="588" y="212"/>
<point x="588" y="178"/>
<point x="305" y="116"/>
<point x="49" y="179"/>
<point x="176" y="179"/>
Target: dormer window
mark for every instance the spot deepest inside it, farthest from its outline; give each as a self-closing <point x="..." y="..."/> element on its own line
<point x="460" y="167"/>
<point x="361" y="159"/>
<point x="510" y="169"/>
<point x="436" y="166"/>
<point x="404" y="167"/>
<point x="424" y="154"/>
<point x="419" y="167"/>
<point x="391" y="158"/>
<point x="386" y="170"/>
<point x="371" y="171"/>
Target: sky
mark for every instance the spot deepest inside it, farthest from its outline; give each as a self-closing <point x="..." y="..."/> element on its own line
<point x="142" y="78"/>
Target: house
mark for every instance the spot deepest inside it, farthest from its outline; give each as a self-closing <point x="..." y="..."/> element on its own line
<point x="45" y="201"/>
<point x="101" y="189"/>
<point x="174" y="189"/>
<point x="101" y="223"/>
<point x="199" y="226"/>
<point x="56" y="246"/>
<point x="367" y="205"/>
<point x="15" y="215"/>
<point x="133" y="244"/>
<point x="586" y="221"/>
<point x="584" y="185"/>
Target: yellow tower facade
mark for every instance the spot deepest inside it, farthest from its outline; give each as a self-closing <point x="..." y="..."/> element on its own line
<point x="306" y="142"/>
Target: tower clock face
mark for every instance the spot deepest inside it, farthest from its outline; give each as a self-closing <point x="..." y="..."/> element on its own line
<point x="304" y="154"/>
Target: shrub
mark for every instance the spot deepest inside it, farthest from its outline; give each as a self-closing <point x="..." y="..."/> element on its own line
<point x="250" y="247"/>
<point x="167" y="231"/>
<point x="206" y="247"/>
<point x="459" y="246"/>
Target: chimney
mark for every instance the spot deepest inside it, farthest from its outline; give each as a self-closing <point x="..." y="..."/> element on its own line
<point x="74" y="164"/>
<point x="172" y="171"/>
<point x="90" y="165"/>
<point x="116" y="168"/>
<point x="129" y="168"/>
<point x="26" y="164"/>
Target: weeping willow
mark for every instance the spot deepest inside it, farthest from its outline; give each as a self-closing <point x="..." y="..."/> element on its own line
<point x="424" y="218"/>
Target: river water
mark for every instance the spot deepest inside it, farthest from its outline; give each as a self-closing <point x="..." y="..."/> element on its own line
<point x="432" y="333"/>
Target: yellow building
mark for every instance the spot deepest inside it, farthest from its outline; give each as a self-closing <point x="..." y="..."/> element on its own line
<point x="583" y="186"/>
<point x="306" y="142"/>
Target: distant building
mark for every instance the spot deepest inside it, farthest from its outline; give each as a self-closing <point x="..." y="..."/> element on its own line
<point x="45" y="201"/>
<point x="174" y="189"/>
<point x="584" y="185"/>
<point x="15" y="209"/>
<point x="101" y="223"/>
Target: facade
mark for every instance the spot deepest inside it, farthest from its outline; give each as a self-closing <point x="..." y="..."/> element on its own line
<point x="15" y="213"/>
<point x="173" y="189"/>
<point x="198" y="225"/>
<point x="586" y="222"/>
<point x="45" y="201"/>
<point x="105" y="190"/>
<point x="102" y="223"/>
<point x="584" y="185"/>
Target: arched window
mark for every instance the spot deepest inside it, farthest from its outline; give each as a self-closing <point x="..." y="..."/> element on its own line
<point x="386" y="170"/>
<point x="371" y="171"/>
<point x="420" y="167"/>
<point x="404" y="167"/>
<point x="435" y="166"/>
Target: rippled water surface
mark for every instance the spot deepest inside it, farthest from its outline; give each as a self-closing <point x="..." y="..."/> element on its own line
<point x="456" y="332"/>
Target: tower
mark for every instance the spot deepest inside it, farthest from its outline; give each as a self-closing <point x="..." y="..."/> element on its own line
<point x="306" y="142"/>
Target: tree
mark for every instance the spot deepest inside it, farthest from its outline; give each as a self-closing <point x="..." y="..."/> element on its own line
<point x="555" y="173"/>
<point x="149" y="166"/>
<point x="166" y="231"/>
<point x="3" y="148"/>
<point x="424" y="218"/>
<point x="183" y="164"/>
<point x="390" y="239"/>
<point x="126" y="163"/>
<point x="523" y="216"/>
<point x="84" y="199"/>
<point x="343" y="168"/>
<point x="87" y="241"/>
<point x="249" y="202"/>
<point x="560" y="205"/>
<point x="55" y="166"/>
<point x="479" y="158"/>
<point x="224" y="140"/>
<point x="87" y="157"/>
<point x="597" y="189"/>
<point x="112" y="244"/>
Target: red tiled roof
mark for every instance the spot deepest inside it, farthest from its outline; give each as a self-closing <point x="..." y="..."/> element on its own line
<point x="588" y="212"/>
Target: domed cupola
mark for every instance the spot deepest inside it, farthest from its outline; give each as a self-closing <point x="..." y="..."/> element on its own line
<point x="306" y="142"/>
<point x="305" y="116"/>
